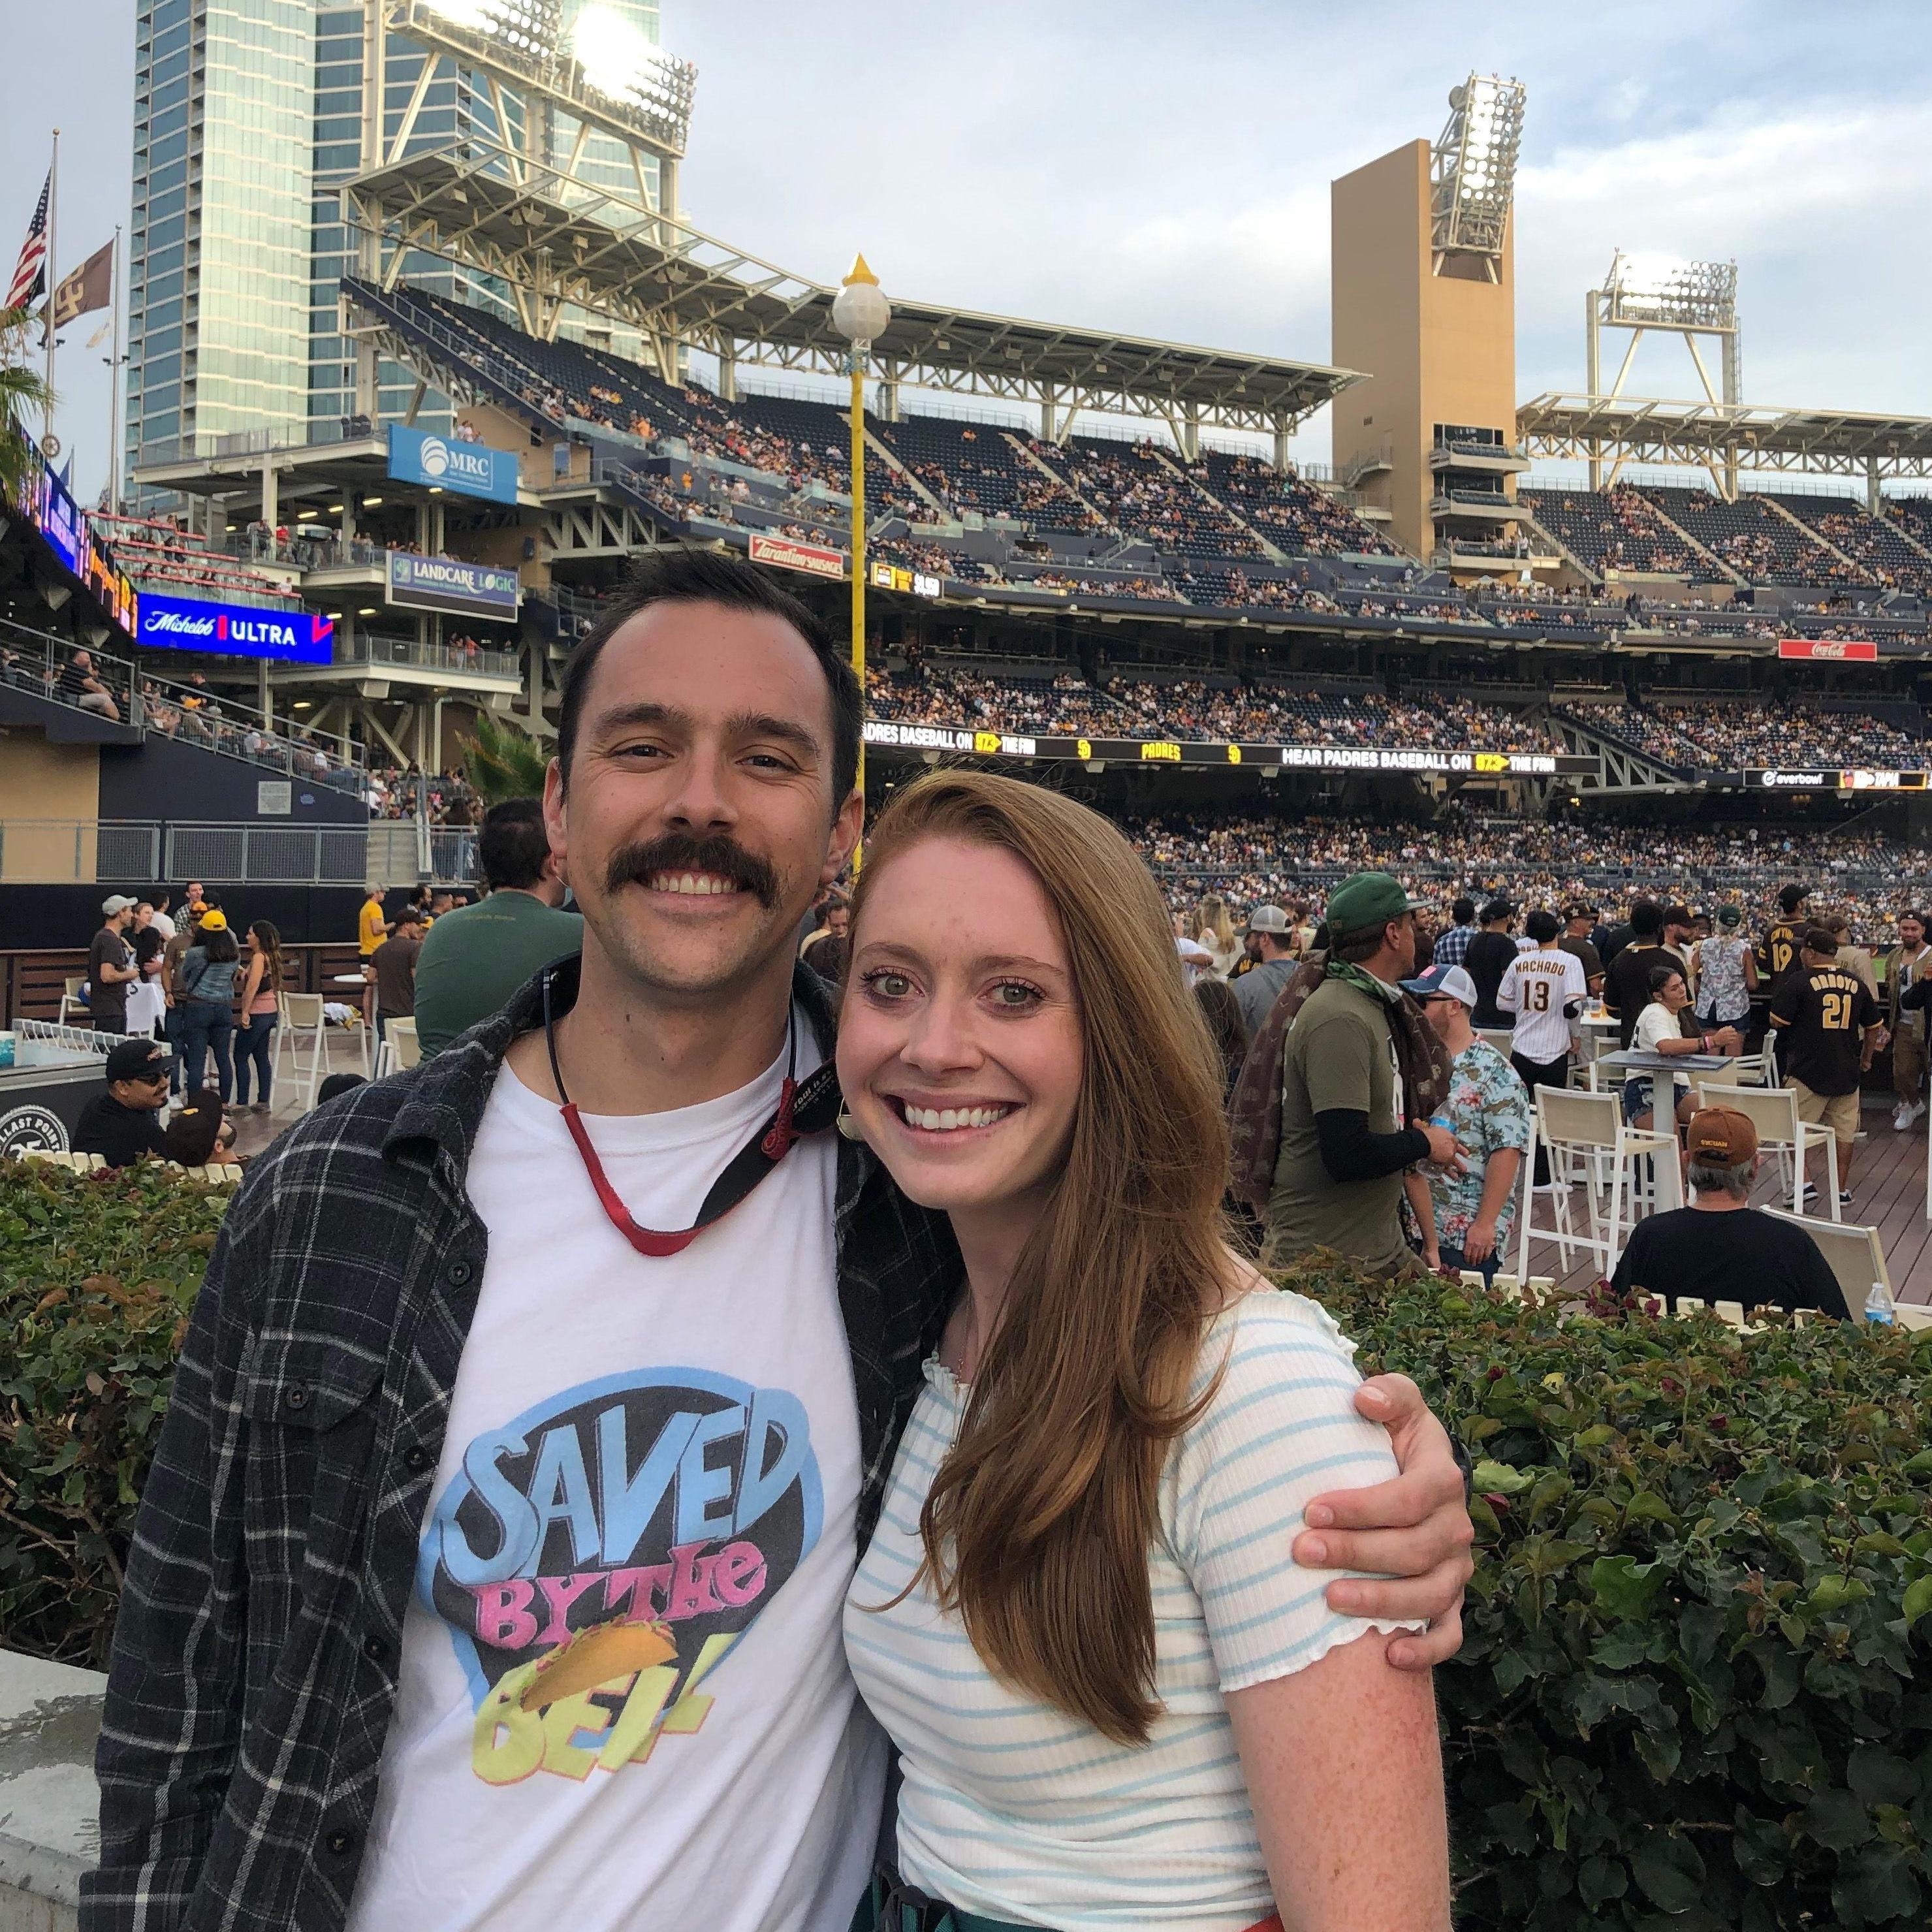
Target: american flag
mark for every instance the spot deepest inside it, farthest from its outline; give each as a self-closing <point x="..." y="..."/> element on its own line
<point x="30" y="273"/>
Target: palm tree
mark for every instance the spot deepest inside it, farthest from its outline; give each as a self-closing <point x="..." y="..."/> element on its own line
<point x="501" y="763"/>
<point x="21" y="392"/>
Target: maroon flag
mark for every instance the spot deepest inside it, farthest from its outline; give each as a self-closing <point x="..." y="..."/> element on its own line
<point x="30" y="273"/>
<point x="89" y="287"/>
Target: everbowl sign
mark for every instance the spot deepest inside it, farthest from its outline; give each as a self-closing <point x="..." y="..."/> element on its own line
<point x="470" y="469"/>
<point x="287" y="632"/>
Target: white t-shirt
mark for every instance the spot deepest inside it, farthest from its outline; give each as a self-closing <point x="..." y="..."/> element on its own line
<point x="1657" y="1022"/>
<point x="649" y="1486"/>
<point x="163" y="925"/>
<point x="1537" y="987"/>
<point x="1013" y="1809"/>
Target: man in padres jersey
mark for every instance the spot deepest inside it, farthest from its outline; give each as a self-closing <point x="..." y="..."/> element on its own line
<point x="1828" y="1029"/>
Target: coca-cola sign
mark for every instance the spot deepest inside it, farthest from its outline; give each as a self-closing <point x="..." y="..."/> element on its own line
<point x="286" y="632"/>
<point x="1831" y="650"/>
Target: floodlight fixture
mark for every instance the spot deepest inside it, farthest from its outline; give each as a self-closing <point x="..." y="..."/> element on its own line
<point x="1473" y="175"/>
<point x="1659" y="291"/>
<point x="602" y="70"/>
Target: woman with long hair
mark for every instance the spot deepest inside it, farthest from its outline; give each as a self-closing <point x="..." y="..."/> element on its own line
<point x="261" y="1012"/>
<point x="1215" y="931"/>
<point x="1111" y="1706"/>
<point x="204" y="1002"/>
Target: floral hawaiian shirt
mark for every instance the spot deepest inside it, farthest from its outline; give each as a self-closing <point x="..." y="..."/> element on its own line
<point x="1489" y="1107"/>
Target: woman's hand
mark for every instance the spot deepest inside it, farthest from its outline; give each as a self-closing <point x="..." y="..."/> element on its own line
<point x="1414" y="1531"/>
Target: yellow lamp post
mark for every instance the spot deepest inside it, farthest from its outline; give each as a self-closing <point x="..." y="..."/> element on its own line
<point x="861" y="314"/>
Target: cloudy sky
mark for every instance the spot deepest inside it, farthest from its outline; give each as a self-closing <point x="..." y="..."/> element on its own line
<point x="1164" y="170"/>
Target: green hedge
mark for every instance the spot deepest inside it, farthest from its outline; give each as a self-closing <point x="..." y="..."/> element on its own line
<point x="1697" y="1688"/>
<point x="97" y="1272"/>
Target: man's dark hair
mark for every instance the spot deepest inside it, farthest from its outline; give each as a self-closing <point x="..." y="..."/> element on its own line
<point x="1364" y="942"/>
<point x="714" y="577"/>
<point x="1542" y="926"/>
<point x="1646" y="919"/>
<point x="512" y="845"/>
<point x="337" y="1084"/>
<point x="1463" y="911"/>
<point x="1790" y="898"/>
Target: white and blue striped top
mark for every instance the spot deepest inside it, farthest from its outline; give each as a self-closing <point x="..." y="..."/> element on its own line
<point x="1012" y="1808"/>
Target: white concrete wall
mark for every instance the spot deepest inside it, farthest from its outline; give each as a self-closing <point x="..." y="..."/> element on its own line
<point x="49" y="1808"/>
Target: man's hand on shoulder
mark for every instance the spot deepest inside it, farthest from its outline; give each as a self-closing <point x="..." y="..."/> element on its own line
<point x="1414" y="1531"/>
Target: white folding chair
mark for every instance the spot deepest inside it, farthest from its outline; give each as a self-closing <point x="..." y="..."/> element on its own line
<point x="1501" y="1038"/>
<point x="304" y="1027"/>
<point x="1592" y="1126"/>
<point x="1773" y="1111"/>
<point x="1855" y="1254"/>
<point x="71" y="999"/>
<point x="399" y="1047"/>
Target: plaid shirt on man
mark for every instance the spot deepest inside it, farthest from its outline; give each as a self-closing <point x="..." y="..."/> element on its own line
<point x="1453" y="947"/>
<point x="256" y="1658"/>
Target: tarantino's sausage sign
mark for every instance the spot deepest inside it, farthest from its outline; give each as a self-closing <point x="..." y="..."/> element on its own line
<point x="890" y="736"/>
<point x="812" y="558"/>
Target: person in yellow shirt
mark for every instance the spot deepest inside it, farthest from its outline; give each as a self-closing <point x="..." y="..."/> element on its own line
<point x="371" y="930"/>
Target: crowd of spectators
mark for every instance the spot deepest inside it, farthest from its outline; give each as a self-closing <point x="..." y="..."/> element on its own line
<point x="1141" y="493"/>
<point x="1743" y="733"/>
<point x="1615" y="529"/>
<point x="1254" y="859"/>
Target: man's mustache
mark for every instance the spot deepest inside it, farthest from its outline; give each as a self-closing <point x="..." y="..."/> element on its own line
<point x="678" y="852"/>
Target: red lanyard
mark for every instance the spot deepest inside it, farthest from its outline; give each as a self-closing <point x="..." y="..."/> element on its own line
<point x="809" y="1108"/>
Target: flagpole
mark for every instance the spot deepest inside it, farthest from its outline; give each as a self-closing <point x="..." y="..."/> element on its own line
<point x="53" y="282"/>
<point x="114" y="380"/>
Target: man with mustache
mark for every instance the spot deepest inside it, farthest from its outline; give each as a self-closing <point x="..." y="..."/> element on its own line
<point x="539" y="1402"/>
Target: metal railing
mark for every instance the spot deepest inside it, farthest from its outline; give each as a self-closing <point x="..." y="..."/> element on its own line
<point x="70" y="851"/>
<point x="286" y="855"/>
<point x="104" y="686"/>
<point x="372" y="650"/>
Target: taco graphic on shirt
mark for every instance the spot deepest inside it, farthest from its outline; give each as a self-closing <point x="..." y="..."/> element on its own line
<point x="596" y="1559"/>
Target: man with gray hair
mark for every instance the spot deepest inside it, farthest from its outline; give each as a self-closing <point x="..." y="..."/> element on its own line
<point x="1274" y="944"/>
<point x="1720" y="1248"/>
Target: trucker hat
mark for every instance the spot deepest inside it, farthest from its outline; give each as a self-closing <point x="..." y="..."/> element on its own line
<point x="117" y="902"/>
<point x="1366" y="899"/>
<point x="1441" y="982"/>
<point x="1722" y="1135"/>
<point x="1267" y="919"/>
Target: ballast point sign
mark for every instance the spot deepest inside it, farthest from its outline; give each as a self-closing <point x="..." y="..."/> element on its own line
<point x="290" y="633"/>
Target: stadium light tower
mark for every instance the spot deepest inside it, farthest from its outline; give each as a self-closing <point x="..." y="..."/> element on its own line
<point x="1473" y="176"/>
<point x="1643" y="293"/>
<point x="861" y="314"/>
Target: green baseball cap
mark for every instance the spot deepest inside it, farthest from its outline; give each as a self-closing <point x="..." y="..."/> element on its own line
<point x="1369" y="899"/>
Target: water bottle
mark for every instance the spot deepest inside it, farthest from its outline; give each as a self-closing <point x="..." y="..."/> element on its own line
<point x="1879" y="1305"/>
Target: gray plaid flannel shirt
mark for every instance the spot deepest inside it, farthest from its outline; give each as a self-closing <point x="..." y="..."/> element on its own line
<point x="255" y="1661"/>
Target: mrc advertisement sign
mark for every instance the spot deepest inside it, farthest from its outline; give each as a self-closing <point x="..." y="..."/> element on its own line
<point x="448" y="583"/>
<point x="444" y="463"/>
<point x="287" y="633"/>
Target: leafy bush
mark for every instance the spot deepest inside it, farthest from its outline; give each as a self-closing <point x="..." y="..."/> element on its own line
<point x="97" y="1274"/>
<point x="1697" y="1688"/>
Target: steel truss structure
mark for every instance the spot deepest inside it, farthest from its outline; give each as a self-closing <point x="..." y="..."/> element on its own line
<point x="1473" y="178"/>
<point x="1726" y="438"/>
<point x="557" y="240"/>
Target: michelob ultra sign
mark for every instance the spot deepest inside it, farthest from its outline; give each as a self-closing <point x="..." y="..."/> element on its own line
<point x="286" y="632"/>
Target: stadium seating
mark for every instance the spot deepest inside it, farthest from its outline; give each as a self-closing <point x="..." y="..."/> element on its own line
<point x="1752" y="538"/>
<point x="1888" y="558"/>
<point x="1293" y="516"/>
<point x="1613" y="529"/>
<point x="1141" y="493"/>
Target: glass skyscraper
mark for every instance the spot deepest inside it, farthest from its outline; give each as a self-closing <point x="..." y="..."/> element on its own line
<point x="248" y="118"/>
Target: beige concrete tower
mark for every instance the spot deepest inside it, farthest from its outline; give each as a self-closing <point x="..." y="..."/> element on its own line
<point x="1424" y="299"/>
